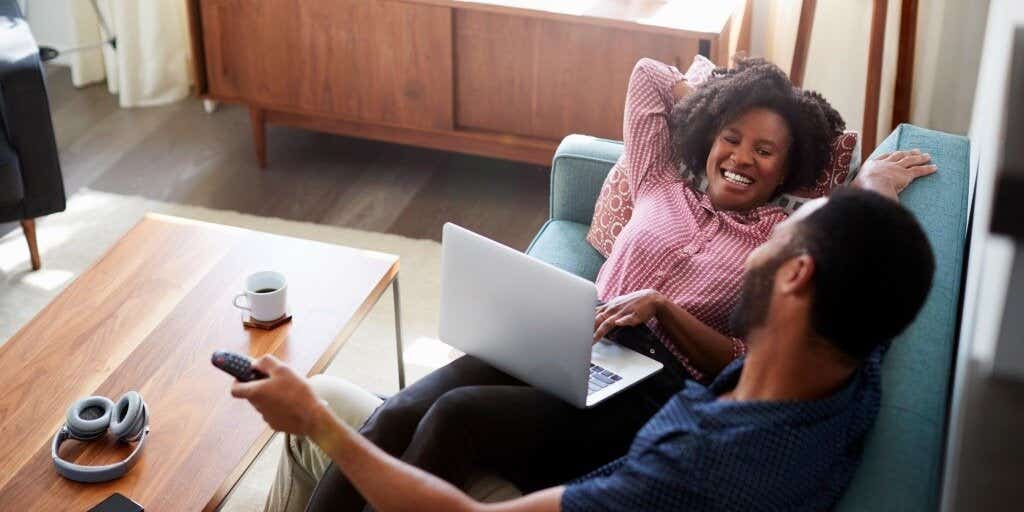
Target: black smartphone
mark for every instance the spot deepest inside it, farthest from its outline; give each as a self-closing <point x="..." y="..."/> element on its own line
<point x="117" y="502"/>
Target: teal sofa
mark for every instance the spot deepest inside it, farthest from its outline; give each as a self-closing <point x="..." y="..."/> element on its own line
<point x="902" y="464"/>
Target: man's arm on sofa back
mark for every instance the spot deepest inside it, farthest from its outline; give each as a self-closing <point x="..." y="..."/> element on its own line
<point x="578" y="170"/>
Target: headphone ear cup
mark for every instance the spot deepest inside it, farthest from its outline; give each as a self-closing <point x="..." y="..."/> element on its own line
<point x="128" y="417"/>
<point x="89" y="417"/>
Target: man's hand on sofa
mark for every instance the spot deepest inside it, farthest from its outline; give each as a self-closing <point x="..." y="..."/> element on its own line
<point x="890" y="173"/>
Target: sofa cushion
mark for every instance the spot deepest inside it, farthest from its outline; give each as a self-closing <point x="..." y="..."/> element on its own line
<point x="563" y="243"/>
<point x="902" y="464"/>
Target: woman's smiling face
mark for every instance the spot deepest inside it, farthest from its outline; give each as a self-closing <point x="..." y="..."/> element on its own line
<point x="748" y="160"/>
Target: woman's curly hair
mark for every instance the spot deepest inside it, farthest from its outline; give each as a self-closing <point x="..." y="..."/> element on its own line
<point x="754" y="83"/>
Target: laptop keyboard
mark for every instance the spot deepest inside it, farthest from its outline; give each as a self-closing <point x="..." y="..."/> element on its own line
<point x="600" y="378"/>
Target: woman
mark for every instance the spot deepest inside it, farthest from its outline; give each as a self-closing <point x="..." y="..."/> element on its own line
<point x="680" y="256"/>
<point x="676" y="266"/>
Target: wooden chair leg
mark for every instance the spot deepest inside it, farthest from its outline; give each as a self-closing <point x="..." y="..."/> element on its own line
<point x="28" y="226"/>
<point x="258" y="119"/>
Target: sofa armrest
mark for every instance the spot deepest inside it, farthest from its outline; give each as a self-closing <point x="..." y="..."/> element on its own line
<point x="25" y="111"/>
<point x="902" y="464"/>
<point x="578" y="170"/>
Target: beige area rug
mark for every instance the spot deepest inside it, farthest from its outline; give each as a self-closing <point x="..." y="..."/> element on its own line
<point x="72" y="240"/>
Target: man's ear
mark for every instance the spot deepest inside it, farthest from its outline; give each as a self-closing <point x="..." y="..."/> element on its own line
<point x="796" y="274"/>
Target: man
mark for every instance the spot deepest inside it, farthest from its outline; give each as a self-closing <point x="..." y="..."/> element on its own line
<point x="780" y="429"/>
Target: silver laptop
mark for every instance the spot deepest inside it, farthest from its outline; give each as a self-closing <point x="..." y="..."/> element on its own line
<point x="531" y="320"/>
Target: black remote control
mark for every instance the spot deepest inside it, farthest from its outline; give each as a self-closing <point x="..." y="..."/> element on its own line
<point x="236" y="365"/>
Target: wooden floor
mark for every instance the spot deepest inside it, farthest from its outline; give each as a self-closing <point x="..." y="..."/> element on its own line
<point x="180" y="154"/>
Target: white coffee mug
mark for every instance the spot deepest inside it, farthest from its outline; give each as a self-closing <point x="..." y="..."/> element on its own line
<point x="265" y="292"/>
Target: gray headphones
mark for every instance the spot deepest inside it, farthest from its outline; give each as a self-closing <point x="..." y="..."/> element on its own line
<point x="88" y="419"/>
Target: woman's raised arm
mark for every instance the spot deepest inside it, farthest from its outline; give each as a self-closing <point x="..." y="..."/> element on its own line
<point x="653" y="88"/>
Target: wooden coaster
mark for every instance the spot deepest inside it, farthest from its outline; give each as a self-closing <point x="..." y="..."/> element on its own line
<point x="259" y="324"/>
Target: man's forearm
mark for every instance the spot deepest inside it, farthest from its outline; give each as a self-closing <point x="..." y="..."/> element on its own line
<point x="707" y="349"/>
<point x="386" y="482"/>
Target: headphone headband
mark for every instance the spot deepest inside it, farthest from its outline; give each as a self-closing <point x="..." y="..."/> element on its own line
<point x="93" y="474"/>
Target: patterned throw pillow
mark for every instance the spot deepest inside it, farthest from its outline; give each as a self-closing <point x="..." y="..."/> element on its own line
<point x="612" y="211"/>
<point x="614" y="205"/>
<point x="841" y="169"/>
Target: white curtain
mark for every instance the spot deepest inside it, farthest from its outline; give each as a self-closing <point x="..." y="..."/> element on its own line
<point x="151" y="64"/>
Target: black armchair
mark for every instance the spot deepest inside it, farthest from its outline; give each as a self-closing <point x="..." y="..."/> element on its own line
<point x="31" y="184"/>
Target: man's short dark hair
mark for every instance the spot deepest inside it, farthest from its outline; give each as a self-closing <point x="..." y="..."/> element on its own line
<point x="873" y="269"/>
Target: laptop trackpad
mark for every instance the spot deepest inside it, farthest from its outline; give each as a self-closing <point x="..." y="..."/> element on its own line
<point x="623" y="361"/>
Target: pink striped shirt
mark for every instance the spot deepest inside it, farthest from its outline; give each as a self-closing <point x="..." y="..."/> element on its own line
<point x="676" y="241"/>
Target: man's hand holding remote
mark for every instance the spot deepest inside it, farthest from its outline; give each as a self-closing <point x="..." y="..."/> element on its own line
<point x="285" y="399"/>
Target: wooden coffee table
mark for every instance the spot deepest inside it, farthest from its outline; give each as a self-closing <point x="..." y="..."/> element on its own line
<point x="147" y="317"/>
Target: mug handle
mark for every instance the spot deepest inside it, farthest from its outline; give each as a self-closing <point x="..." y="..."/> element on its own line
<point x="235" y="302"/>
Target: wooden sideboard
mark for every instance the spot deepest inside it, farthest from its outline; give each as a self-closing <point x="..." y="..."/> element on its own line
<point x="500" y="78"/>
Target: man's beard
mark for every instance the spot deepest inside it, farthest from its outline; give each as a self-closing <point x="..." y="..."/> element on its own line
<point x="755" y="297"/>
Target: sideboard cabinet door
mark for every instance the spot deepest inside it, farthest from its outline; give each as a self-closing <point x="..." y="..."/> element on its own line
<point x="546" y="78"/>
<point x="382" y="61"/>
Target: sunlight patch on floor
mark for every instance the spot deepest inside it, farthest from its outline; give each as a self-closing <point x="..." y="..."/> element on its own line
<point x="14" y="250"/>
<point x="48" y="279"/>
<point x="428" y="352"/>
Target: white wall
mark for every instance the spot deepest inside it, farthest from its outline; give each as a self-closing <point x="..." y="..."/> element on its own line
<point x="985" y="290"/>
<point x="991" y="257"/>
<point x="50" y="22"/>
<point x="947" y="57"/>
<point x="838" y="54"/>
<point x="838" y="59"/>
<point x="947" y="54"/>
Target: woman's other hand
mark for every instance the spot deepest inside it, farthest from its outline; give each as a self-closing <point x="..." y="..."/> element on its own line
<point x="631" y="309"/>
<point x="890" y="173"/>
